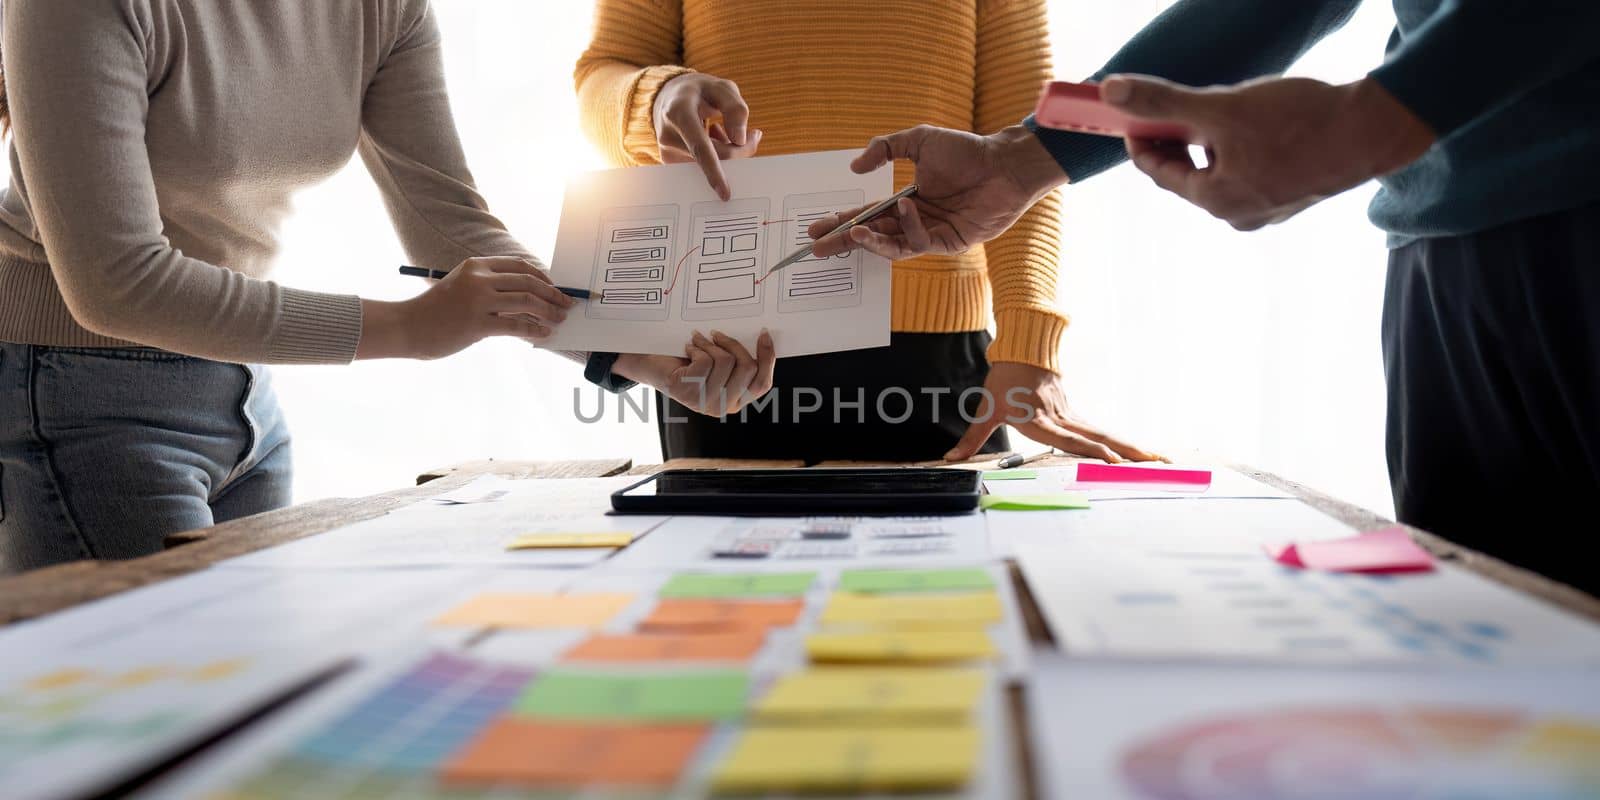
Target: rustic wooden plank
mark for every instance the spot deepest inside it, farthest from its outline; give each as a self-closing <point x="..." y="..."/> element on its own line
<point x="593" y="468"/>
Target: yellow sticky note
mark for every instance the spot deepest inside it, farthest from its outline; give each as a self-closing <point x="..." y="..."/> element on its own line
<point x="60" y="679"/>
<point x="899" y="646"/>
<point x="529" y="610"/>
<point x="843" y="758"/>
<point x="141" y="676"/>
<point x="218" y="670"/>
<point x="534" y="541"/>
<point x="962" y="610"/>
<point x="872" y="694"/>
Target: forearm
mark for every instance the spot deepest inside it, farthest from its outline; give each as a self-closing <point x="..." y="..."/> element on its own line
<point x="186" y="306"/>
<point x="1202" y="43"/>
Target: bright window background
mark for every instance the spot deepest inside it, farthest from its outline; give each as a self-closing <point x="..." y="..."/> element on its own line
<point x="1186" y="336"/>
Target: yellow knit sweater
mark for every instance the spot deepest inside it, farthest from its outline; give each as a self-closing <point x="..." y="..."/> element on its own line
<point x="831" y="74"/>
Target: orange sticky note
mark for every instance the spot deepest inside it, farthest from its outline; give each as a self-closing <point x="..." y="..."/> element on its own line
<point x="695" y="614"/>
<point x="519" y="752"/>
<point x="738" y="646"/>
<point x="520" y="610"/>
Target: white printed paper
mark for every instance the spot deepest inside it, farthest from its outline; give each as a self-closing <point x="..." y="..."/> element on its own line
<point x="1194" y="519"/>
<point x="1195" y="598"/>
<point x="1226" y="484"/>
<point x="78" y="722"/>
<point x="1119" y="731"/>
<point x="783" y="543"/>
<point x="433" y="534"/>
<point x="664" y="258"/>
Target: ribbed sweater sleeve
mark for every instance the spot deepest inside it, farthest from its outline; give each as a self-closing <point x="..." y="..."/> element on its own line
<point x="78" y="75"/>
<point x="1013" y="60"/>
<point x="636" y="47"/>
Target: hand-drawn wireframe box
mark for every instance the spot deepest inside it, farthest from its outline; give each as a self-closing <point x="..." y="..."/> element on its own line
<point x="727" y="259"/>
<point x="814" y="283"/>
<point x="633" y="263"/>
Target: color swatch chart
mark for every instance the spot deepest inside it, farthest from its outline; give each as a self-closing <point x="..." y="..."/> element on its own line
<point x="895" y="692"/>
<point x="397" y="735"/>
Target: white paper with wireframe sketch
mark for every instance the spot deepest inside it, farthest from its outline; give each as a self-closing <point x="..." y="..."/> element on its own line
<point x="664" y="257"/>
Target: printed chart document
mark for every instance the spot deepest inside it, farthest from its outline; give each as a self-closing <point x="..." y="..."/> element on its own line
<point x="435" y="533"/>
<point x="778" y="544"/>
<point x="327" y="612"/>
<point x="1175" y="598"/>
<point x="1258" y="522"/>
<point x="665" y="257"/>
<point x="78" y="722"/>
<point x="1193" y="732"/>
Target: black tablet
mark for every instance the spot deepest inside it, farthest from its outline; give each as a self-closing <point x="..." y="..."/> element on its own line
<point x="803" y="492"/>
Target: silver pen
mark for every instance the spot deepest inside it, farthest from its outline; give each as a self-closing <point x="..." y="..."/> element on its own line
<point x="1017" y="459"/>
<point x="860" y="219"/>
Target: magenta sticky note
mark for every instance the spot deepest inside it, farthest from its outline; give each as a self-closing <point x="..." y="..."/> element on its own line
<point x="1190" y="479"/>
<point x="1382" y="551"/>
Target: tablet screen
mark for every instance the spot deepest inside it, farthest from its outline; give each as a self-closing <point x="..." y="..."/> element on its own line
<point x="802" y="482"/>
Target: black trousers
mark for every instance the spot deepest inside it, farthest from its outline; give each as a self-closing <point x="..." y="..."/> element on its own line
<point x="1491" y="345"/>
<point x="909" y="401"/>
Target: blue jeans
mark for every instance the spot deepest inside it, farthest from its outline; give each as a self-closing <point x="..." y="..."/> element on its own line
<point x="104" y="452"/>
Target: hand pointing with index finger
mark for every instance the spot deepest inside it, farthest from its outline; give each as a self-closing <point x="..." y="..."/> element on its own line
<point x="685" y="111"/>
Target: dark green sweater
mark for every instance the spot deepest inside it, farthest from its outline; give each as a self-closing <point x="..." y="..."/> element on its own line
<point x="1512" y="87"/>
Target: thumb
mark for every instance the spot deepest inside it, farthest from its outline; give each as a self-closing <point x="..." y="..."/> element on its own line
<point x="883" y="149"/>
<point x="1153" y="98"/>
<point x="977" y="433"/>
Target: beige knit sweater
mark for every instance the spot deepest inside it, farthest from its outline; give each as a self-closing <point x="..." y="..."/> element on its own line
<point x="157" y="145"/>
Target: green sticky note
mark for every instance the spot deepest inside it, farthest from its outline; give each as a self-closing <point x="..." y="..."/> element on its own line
<point x="738" y="584"/>
<point x="698" y="695"/>
<point x="1033" y="502"/>
<point x="1011" y="475"/>
<point x="915" y="580"/>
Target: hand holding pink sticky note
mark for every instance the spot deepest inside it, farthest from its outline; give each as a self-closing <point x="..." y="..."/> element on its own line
<point x="1386" y="550"/>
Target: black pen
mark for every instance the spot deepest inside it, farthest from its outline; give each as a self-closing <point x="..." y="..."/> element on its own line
<point x="438" y="274"/>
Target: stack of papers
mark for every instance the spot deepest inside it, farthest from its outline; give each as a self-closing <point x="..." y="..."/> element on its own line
<point x="690" y="655"/>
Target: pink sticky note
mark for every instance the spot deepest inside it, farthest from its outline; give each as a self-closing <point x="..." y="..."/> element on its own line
<point x="1188" y="479"/>
<point x="1381" y="551"/>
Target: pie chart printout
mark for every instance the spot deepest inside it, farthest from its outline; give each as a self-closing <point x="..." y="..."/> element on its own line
<point x="1401" y="753"/>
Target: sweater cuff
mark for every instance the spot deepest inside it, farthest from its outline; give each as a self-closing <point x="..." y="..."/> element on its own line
<point x="1028" y="336"/>
<point x="1080" y="155"/>
<point x="639" y="119"/>
<point x="316" y="328"/>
